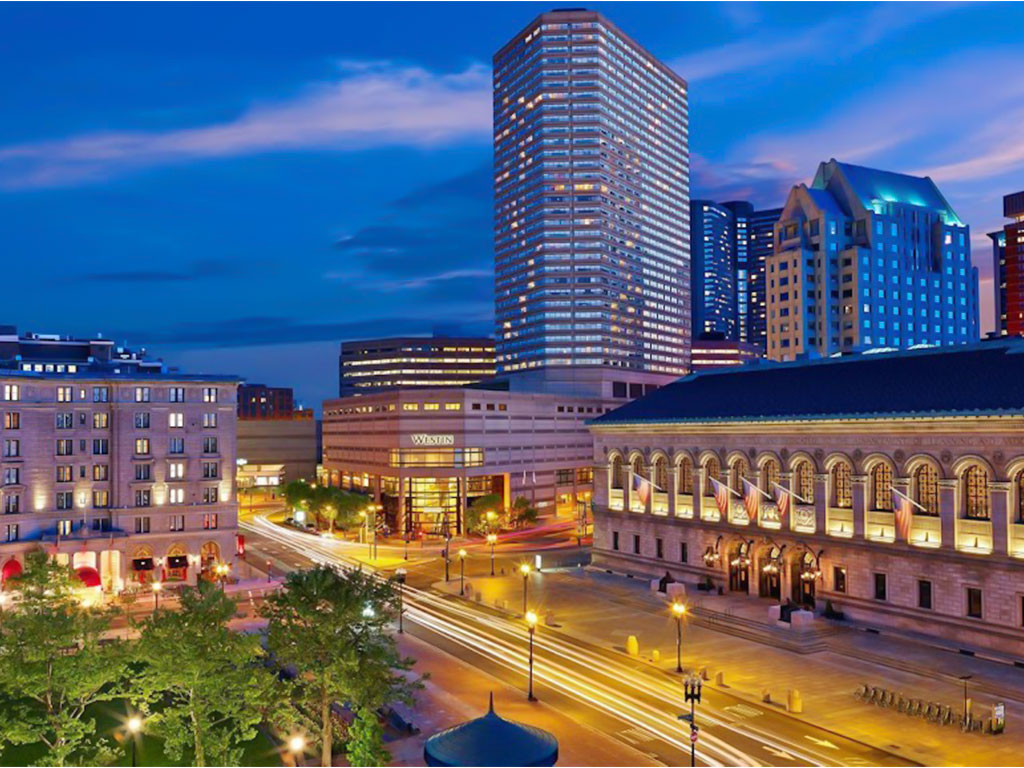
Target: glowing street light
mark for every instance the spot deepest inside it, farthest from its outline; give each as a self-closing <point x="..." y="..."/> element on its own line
<point x="531" y="625"/>
<point x="679" y="611"/>
<point x="297" y="746"/>
<point x="525" y="570"/>
<point x="157" y="586"/>
<point x="134" y="726"/>
<point x="492" y="539"/>
<point x="462" y="572"/>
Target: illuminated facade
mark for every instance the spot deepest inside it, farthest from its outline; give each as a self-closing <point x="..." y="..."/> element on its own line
<point x="716" y="352"/>
<point x="591" y="188"/>
<point x="833" y="453"/>
<point x="1008" y="268"/>
<point x="376" y="365"/>
<point x="869" y="259"/>
<point x="121" y="470"/>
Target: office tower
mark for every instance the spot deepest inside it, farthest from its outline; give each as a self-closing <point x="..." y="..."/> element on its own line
<point x="730" y="243"/>
<point x="869" y="259"/>
<point x="591" y="183"/>
<point x="378" y="365"/>
<point x="1008" y="268"/>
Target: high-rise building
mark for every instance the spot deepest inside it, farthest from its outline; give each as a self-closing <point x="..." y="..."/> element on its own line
<point x="869" y="259"/>
<point x="1008" y="268"/>
<point x="730" y="243"/>
<point x="591" y="182"/>
<point x="378" y="365"/>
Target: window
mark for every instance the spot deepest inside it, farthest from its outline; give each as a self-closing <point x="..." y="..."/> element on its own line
<point x="615" y="540"/>
<point x="65" y="473"/>
<point x="143" y="498"/>
<point x="209" y="445"/>
<point x="659" y="548"/>
<point x="12" y="475"/>
<point x="141" y="523"/>
<point x="176" y="395"/>
<point x="101" y="447"/>
<point x="924" y="594"/>
<point x="177" y="522"/>
<point x="803" y="481"/>
<point x="12" y="392"/>
<point x="880" y="586"/>
<point x="976" y="497"/>
<point x="142" y="446"/>
<point x="453" y="406"/>
<point x="636" y="544"/>
<point x="177" y="445"/>
<point x="11" y="532"/>
<point x="881" y="487"/>
<point x="838" y="579"/>
<point x="64" y="394"/>
<point x="563" y="477"/>
<point x="209" y="394"/>
<point x="143" y="472"/>
<point x="100" y="420"/>
<point x="410" y="406"/>
<point x="927" y="480"/>
<point x="210" y="495"/>
<point x="176" y="470"/>
<point x="211" y="470"/>
<point x="65" y="447"/>
<point x="100" y="499"/>
<point x="65" y="527"/>
<point x="142" y="394"/>
<point x="769" y="476"/>
<point x="12" y="503"/>
<point x="842" y="485"/>
<point x="12" y="420"/>
<point x="209" y="420"/>
<point x="176" y="420"/>
<point x="431" y="406"/>
<point x="100" y="472"/>
<point x="584" y="475"/>
<point x="685" y="476"/>
<point x="684" y="555"/>
<point x="142" y="420"/>
<point x="210" y="521"/>
<point x="101" y="394"/>
<point x="65" y="500"/>
<point x="176" y="496"/>
<point x="973" y="603"/>
<point x="711" y="471"/>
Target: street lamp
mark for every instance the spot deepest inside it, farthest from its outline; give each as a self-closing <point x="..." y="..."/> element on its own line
<point x="400" y="578"/>
<point x="492" y="539"/>
<point x="222" y="569"/>
<point x="525" y="570"/>
<point x="679" y="611"/>
<point x="157" y="586"/>
<point x="691" y="693"/>
<point x="531" y="624"/>
<point x="462" y="572"/>
<point x="3" y="604"/>
<point x="297" y="745"/>
<point x="134" y="725"/>
<point x="964" y="679"/>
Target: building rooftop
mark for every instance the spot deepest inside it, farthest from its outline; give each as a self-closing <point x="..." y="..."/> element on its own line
<point x="986" y="378"/>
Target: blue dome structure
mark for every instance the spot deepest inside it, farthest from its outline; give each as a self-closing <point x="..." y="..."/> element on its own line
<point x="491" y="741"/>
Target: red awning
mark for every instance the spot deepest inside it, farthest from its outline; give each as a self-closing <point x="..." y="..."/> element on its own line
<point x="90" y="577"/>
<point x="10" y="570"/>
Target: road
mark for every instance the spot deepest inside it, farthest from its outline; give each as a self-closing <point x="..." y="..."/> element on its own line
<point x="608" y="690"/>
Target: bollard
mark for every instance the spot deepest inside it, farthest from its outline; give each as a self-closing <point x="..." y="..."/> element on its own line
<point x="632" y="646"/>
<point x="656" y="656"/>
<point x="719" y="678"/>
<point x="479" y="597"/>
<point x="766" y="696"/>
<point x="549" y="619"/>
<point x="794" y="702"/>
<point x="704" y="674"/>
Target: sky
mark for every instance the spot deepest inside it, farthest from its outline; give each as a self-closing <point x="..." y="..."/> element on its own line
<point x="238" y="187"/>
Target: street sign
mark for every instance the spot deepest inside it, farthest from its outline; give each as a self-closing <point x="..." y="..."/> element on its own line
<point x="693" y="736"/>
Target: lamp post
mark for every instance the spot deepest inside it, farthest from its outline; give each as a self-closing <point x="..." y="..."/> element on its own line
<point x="525" y="570"/>
<point x="492" y="539"/>
<point x="157" y="586"/>
<point x="531" y="625"/>
<point x="134" y="726"/>
<point x="406" y="555"/>
<point x="400" y="578"/>
<point x="967" y="714"/>
<point x="691" y="693"/>
<point x="296" y="746"/>
<point x="3" y="604"/>
<point x="462" y="572"/>
<point x="679" y="610"/>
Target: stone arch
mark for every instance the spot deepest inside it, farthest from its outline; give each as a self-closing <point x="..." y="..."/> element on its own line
<point x="840" y="480"/>
<point x="1015" y="475"/>
<point x="881" y="472"/>
<point x="683" y="462"/>
<point x="616" y="470"/>
<point x="769" y="467"/>
<point x="799" y="456"/>
<point x="659" y="471"/>
<point x="711" y="465"/>
<point x="974" y="475"/>
<point x="739" y="468"/>
<point x="802" y="482"/>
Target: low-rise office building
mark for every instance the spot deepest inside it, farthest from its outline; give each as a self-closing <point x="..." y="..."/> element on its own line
<point x="376" y="365"/>
<point x="115" y="467"/>
<point x="890" y="484"/>
<point x="277" y="441"/>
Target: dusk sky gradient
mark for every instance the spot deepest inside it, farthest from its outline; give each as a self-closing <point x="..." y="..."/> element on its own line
<point x="239" y="187"/>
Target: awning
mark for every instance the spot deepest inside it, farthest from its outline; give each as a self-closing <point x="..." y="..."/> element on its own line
<point x="90" y="577"/>
<point x="11" y="569"/>
<point x="142" y="564"/>
<point x="177" y="561"/>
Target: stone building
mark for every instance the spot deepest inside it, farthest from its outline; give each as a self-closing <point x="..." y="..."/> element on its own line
<point x="890" y="484"/>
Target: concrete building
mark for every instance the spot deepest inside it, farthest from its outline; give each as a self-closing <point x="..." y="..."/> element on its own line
<point x="258" y="401"/>
<point x="712" y="351"/>
<point x="889" y="484"/>
<point x="377" y="365"/>
<point x="869" y="259"/>
<point x="1008" y="268"/>
<point x="591" y="165"/>
<point x="277" y="441"/>
<point x="113" y="465"/>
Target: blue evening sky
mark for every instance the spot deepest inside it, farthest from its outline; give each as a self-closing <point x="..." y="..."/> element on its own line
<point x="238" y="187"/>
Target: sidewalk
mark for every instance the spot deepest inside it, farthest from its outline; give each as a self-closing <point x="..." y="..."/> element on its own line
<point x="605" y="609"/>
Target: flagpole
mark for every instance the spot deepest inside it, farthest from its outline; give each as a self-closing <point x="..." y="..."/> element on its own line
<point x="904" y="496"/>
<point x="791" y="493"/>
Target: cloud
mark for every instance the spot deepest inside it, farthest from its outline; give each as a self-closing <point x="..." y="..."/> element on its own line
<point x="198" y="270"/>
<point x="424" y="281"/>
<point x="369" y="104"/>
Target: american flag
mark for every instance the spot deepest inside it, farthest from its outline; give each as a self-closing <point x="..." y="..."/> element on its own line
<point x="642" y="488"/>
<point x="903" y="507"/>
<point x="721" y="496"/>
<point x="751" y="500"/>
<point x="782" y="498"/>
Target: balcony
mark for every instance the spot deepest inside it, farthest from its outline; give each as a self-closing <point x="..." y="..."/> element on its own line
<point x="974" y="536"/>
<point x="615" y="499"/>
<point x="659" y="503"/>
<point x="684" y="506"/>
<point x="1017" y="540"/>
<point x="804" y="518"/>
<point x="880" y="526"/>
<point x="926" y="531"/>
<point x="839" y="522"/>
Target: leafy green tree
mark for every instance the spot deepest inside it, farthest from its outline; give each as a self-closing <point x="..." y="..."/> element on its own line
<point x="202" y="685"/>
<point x="484" y="514"/>
<point x="297" y="494"/>
<point x="53" y="667"/>
<point x="523" y="513"/>
<point x="333" y="630"/>
<point x="365" y="745"/>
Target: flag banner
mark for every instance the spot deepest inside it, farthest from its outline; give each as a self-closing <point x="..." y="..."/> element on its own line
<point x="642" y="488"/>
<point x="751" y="500"/>
<point x="782" y="500"/>
<point x="903" y="509"/>
<point x="721" y="496"/>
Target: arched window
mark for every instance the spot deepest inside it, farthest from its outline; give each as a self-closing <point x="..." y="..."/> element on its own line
<point x="769" y="475"/>
<point x="842" y="485"/>
<point x="617" y="473"/>
<point x="1020" y="496"/>
<point x="737" y="472"/>
<point x="881" y="487"/>
<point x="685" y="476"/>
<point x="926" y="478"/>
<point x="975" y="482"/>
<point x="660" y="478"/>
<point x="637" y="465"/>
<point x="711" y="470"/>
<point x="803" y="481"/>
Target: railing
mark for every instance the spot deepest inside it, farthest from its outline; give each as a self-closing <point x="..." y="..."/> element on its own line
<point x="880" y="525"/>
<point x="926" y="531"/>
<point x="659" y="503"/>
<point x="974" y="536"/>
<point x="684" y="506"/>
<point x="615" y="499"/>
<point x="839" y="522"/>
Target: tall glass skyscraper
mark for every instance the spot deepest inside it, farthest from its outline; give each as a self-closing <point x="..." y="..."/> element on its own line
<point x="591" y="186"/>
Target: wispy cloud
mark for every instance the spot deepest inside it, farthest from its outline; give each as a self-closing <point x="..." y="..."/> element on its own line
<point x="425" y="281"/>
<point x="370" y="104"/>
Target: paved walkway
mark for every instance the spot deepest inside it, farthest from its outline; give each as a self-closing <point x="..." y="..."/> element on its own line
<point x="606" y="609"/>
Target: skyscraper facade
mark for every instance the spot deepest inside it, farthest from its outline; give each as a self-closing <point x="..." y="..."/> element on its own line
<point x="591" y="183"/>
<point x="1008" y="268"/>
<point x="730" y="244"/>
<point x="869" y="259"/>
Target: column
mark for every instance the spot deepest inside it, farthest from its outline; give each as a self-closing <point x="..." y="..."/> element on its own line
<point x="649" y="505"/>
<point x="627" y="487"/>
<point x="860" y="504"/>
<point x="948" y="511"/>
<point x="786" y="481"/>
<point x="673" y="487"/>
<point x="901" y="484"/>
<point x="1000" y="505"/>
<point x="698" y="492"/>
<point x="602" y="486"/>
<point x="461" y="527"/>
<point x="820" y="504"/>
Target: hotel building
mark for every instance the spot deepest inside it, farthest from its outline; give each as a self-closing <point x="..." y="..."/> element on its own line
<point x="111" y="464"/>
<point x="1008" y="268"/>
<point x="376" y="365"/>
<point x="890" y="484"/>
<point x="591" y="174"/>
<point x="869" y="259"/>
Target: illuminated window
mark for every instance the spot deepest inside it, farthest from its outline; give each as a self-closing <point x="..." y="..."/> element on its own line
<point x="685" y="476"/>
<point x="453" y="406"/>
<point x="842" y="485"/>
<point x="431" y="406"/>
<point x="738" y="472"/>
<point x="617" y="473"/>
<point x="803" y="481"/>
<point x="976" y="497"/>
<point x="142" y="446"/>
<point x="410" y="406"/>
<point x="769" y="475"/>
<point x="927" y="481"/>
<point x="660" y="478"/>
<point x="712" y="471"/>
<point x="881" y="487"/>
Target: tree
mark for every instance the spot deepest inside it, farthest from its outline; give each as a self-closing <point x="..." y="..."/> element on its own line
<point x="332" y="629"/>
<point x="202" y="685"/>
<point x="523" y="513"/>
<point x="297" y="494"/>
<point x="483" y="515"/>
<point x="53" y="667"/>
<point x="365" y="745"/>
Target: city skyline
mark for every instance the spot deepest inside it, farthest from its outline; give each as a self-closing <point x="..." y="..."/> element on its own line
<point x="173" y="194"/>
